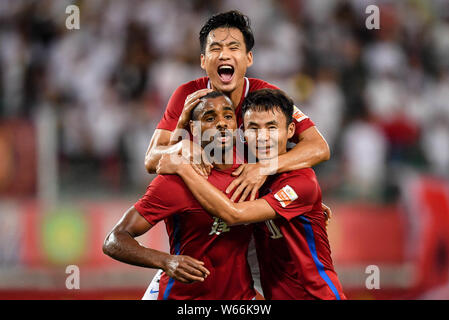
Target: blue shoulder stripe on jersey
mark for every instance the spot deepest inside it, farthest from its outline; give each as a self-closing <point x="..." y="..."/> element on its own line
<point x="311" y="242"/>
<point x="177" y="247"/>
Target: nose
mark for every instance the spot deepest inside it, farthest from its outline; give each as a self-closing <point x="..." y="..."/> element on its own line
<point x="263" y="135"/>
<point x="224" y="54"/>
<point x="221" y="123"/>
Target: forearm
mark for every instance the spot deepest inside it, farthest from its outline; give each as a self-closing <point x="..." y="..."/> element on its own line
<point x="154" y="155"/>
<point x="211" y="199"/>
<point x="306" y="154"/>
<point x="121" y="246"/>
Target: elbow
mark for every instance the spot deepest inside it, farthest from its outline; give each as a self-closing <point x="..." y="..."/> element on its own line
<point x="150" y="164"/>
<point x="325" y="152"/>
<point x="233" y="217"/>
<point x="108" y="246"/>
<point x="322" y="151"/>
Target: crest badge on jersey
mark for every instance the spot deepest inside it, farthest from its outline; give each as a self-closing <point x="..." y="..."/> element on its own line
<point x="298" y="115"/>
<point x="286" y="196"/>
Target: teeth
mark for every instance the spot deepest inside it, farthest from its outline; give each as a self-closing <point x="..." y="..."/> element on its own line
<point x="225" y="67"/>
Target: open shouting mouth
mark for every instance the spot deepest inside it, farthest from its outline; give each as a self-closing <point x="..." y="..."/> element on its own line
<point x="226" y="73"/>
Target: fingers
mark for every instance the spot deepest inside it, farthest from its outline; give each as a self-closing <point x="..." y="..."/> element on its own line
<point x="239" y="170"/>
<point x="189" y="270"/>
<point x="327" y="211"/>
<point x="199" y="266"/>
<point x="194" y="98"/>
<point x="191" y="101"/>
<point x="245" y="193"/>
<point x="207" y="165"/>
<point x="238" y="191"/>
<point x="198" y="169"/>
<point x="234" y="184"/>
<point x="198" y="94"/>
<point x="253" y="194"/>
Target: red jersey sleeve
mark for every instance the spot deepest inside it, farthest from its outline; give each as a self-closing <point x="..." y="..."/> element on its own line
<point x="158" y="201"/>
<point x="302" y="123"/>
<point x="296" y="194"/>
<point x="175" y="105"/>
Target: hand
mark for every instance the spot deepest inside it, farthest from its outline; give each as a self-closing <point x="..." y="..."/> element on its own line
<point x="190" y="103"/>
<point x="185" y="269"/>
<point x="248" y="182"/>
<point x="196" y="155"/>
<point x="170" y="163"/>
<point x="327" y="213"/>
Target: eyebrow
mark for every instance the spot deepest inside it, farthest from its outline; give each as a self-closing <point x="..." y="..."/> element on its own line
<point x="208" y="113"/>
<point x="232" y="43"/>
<point x="265" y="124"/>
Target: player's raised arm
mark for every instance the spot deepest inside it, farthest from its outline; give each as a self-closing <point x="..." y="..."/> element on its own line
<point x="121" y="245"/>
<point x="212" y="199"/>
<point x="311" y="150"/>
<point x="166" y="141"/>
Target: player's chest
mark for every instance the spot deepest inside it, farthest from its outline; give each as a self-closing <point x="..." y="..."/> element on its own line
<point x="197" y="221"/>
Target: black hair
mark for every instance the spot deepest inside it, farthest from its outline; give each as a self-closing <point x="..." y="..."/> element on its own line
<point x="210" y="95"/>
<point x="230" y="19"/>
<point x="268" y="100"/>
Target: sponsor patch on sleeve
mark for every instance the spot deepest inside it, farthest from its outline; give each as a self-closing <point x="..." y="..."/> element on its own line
<point x="298" y="115"/>
<point x="286" y="195"/>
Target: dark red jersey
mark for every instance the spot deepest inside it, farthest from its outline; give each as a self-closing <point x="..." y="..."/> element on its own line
<point x="193" y="232"/>
<point x="176" y="104"/>
<point x="293" y="249"/>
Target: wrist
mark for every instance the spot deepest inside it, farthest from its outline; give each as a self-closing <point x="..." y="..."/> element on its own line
<point x="269" y="167"/>
<point x="165" y="262"/>
<point x="159" y="259"/>
<point x="181" y="124"/>
<point x="182" y="169"/>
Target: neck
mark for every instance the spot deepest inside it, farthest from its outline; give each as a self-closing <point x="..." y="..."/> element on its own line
<point x="225" y="162"/>
<point x="236" y="94"/>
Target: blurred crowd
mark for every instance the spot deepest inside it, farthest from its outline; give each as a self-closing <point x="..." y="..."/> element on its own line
<point x="379" y="97"/>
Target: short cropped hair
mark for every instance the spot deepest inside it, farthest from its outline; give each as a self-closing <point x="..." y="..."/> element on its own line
<point x="269" y="100"/>
<point x="230" y="19"/>
<point x="210" y="95"/>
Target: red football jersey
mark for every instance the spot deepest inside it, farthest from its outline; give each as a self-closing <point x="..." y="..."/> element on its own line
<point x="293" y="250"/>
<point x="193" y="232"/>
<point x="176" y="104"/>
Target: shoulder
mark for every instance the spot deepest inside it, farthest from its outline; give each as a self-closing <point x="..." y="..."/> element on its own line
<point x="303" y="182"/>
<point x="189" y="87"/>
<point x="169" y="185"/>
<point x="306" y="175"/>
<point x="194" y="85"/>
<point x="256" y="84"/>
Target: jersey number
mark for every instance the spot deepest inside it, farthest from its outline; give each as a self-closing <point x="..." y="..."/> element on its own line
<point x="274" y="230"/>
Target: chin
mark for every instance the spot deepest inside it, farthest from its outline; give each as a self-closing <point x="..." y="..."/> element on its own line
<point x="225" y="88"/>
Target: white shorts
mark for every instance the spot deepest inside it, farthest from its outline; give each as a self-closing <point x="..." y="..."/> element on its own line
<point x="153" y="289"/>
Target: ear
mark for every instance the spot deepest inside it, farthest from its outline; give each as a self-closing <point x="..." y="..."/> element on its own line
<point x="249" y="58"/>
<point x="291" y="129"/>
<point x="203" y="63"/>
